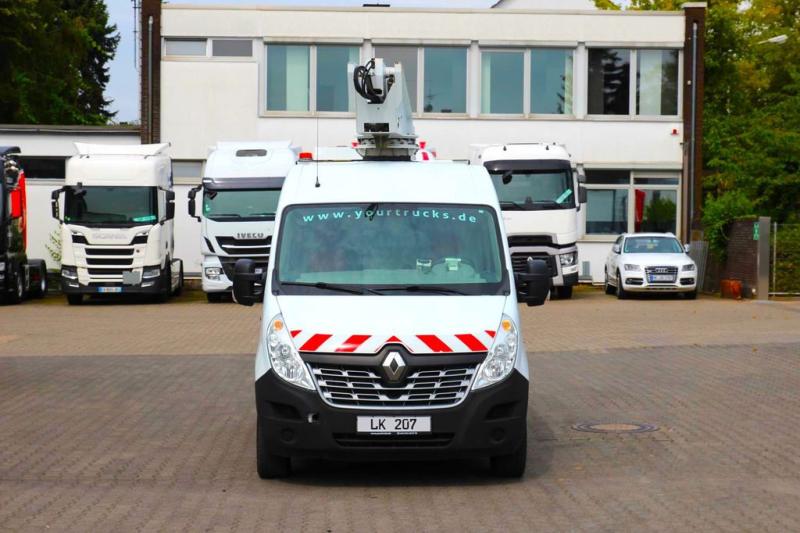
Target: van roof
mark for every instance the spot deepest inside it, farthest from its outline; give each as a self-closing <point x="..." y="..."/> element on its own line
<point x="380" y="181"/>
<point x="518" y="151"/>
<point x="250" y="160"/>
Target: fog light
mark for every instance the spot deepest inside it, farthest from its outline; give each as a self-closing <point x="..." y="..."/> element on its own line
<point x="213" y="272"/>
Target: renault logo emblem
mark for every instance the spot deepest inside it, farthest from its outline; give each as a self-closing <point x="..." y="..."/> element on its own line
<point x="394" y="367"/>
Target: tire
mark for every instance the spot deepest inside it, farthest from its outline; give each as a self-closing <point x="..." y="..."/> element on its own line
<point x="512" y="465"/>
<point x="40" y="290"/>
<point x="74" y="299"/>
<point x="564" y="293"/>
<point x="691" y="295"/>
<point x="179" y="288"/>
<point x="215" y="297"/>
<point x="18" y="289"/>
<point x="607" y="286"/>
<point x="166" y="290"/>
<point x="621" y="293"/>
<point x="269" y="466"/>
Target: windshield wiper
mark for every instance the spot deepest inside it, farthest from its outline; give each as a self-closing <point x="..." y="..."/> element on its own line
<point x="326" y="286"/>
<point x="421" y="288"/>
<point x="223" y="215"/>
<point x="505" y="204"/>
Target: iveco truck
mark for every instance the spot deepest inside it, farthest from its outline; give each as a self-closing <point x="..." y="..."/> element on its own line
<point x="117" y="223"/>
<point x="390" y="326"/>
<point x="241" y="185"/>
<point x="19" y="276"/>
<point x="540" y="194"/>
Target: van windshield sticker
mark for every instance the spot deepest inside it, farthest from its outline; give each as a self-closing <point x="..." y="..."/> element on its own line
<point x="566" y="194"/>
<point x="148" y="218"/>
<point x="370" y="214"/>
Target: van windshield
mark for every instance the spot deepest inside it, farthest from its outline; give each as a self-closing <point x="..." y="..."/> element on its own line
<point x="111" y="206"/>
<point x="534" y="190"/>
<point x="250" y="204"/>
<point x="390" y="248"/>
<point x="653" y="245"/>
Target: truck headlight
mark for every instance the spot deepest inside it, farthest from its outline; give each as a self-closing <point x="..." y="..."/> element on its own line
<point x="688" y="268"/>
<point x="568" y="259"/>
<point x="213" y="272"/>
<point x="151" y="272"/>
<point x="69" y="272"/>
<point x="283" y="355"/>
<point x="500" y="360"/>
<point x="632" y="268"/>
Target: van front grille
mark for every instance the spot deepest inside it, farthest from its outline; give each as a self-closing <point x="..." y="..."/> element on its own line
<point x="244" y="247"/>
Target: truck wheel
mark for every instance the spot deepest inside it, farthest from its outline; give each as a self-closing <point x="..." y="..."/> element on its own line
<point x="512" y="465"/>
<point x="179" y="288"/>
<point x="607" y="287"/>
<point x="74" y="299"/>
<point x="621" y="294"/>
<point x="39" y="290"/>
<point x="18" y="289"/>
<point x="166" y="289"/>
<point x="564" y="293"/>
<point x="269" y="466"/>
<point x="215" y="297"/>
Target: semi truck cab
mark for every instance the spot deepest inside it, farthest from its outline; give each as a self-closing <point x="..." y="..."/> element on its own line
<point x="540" y="194"/>
<point x="390" y="324"/>
<point x="117" y="224"/>
<point x="241" y="185"/>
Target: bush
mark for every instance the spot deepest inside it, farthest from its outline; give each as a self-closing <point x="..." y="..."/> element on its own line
<point x="718" y="215"/>
<point x="787" y="258"/>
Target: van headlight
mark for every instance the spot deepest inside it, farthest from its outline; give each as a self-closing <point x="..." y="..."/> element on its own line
<point x="283" y="355"/>
<point x="500" y="360"/>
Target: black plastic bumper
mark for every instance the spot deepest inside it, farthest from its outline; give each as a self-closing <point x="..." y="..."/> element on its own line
<point x="68" y="287"/>
<point x="298" y="423"/>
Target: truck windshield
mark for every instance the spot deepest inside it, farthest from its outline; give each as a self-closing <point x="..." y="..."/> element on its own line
<point x="652" y="245"/>
<point x="111" y="206"/>
<point x="390" y="248"/>
<point x="534" y="190"/>
<point x="240" y="204"/>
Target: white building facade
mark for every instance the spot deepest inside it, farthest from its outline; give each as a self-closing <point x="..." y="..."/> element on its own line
<point x="614" y="87"/>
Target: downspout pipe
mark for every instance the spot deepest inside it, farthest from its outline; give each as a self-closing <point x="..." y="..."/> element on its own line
<point x="692" y="138"/>
<point x="150" y="79"/>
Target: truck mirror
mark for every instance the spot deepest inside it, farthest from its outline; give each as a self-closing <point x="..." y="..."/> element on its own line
<point x="54" y="203"/>
<point x="538" y="281"/>
<point x="247" y="288"/>
<point x="507" y="177"/>
<point x="581" y="194"/>
<point x="192" y="194"/>
<point x="170" y="197"/>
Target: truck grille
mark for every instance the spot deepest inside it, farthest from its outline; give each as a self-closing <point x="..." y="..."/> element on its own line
<point x="529" y="240"/>
<point x="519" y="261"/>
<point x="361" y="386"/>
<point x="245" y="247"/>
<point x="670" y="271"/>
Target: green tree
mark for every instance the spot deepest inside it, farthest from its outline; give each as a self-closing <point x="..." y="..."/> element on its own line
<point x="53" y="57"/>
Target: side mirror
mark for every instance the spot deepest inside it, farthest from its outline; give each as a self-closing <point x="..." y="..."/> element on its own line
<point x="687" y="248"/>
<point x="581" y="194"/>
<point x="537" y="282"/>
<point x="247" y="285"/>
<point x="54" y="203"/>
<point x="170" y="197"/>
<point x="616" y="248"/>
<point x="192" y="195"/>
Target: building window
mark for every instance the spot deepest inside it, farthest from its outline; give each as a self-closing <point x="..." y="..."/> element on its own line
<point x="333" y="83"/>
<point x="288" y="77"/>
<point x="657" y="82"/>
<point x="551" y="81"/>
<point x="609" y="81"/>
<point x="185" y="47"/>
<point x="620" y="201"/>
<point x="45" y="168"/>
<point x="407" y="57"/>
<point x="502" y="83"/>
<point x="231" y="48"/>
<point x="445" y="80"/>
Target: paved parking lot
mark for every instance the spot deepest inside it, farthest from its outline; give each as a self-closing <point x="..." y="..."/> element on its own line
<point x="141" y="417"/>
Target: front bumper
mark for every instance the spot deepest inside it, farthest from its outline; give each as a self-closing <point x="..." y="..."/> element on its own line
<point x="297" y="423"/>
<point x="146" y="286"/>
<point x="638" y="283"/>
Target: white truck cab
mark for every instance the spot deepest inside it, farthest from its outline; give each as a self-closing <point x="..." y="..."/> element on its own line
<point x="390" y="325"/>
<point x="117" y="227"/>
<point x="540" y="194"/>
<point x="241" y="185"/>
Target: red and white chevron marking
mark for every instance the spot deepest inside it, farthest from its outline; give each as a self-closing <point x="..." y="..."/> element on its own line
<point x="309" y="341"/>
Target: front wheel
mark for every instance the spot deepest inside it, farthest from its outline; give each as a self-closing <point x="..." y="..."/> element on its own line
<point x="607" y="286"/>
<point x="40" y="289"/>
<point x="512" y="465"/>
<point x="621" y="293"/>
<point x="269" y="466"/>
<point x="179" y="288"/>
<point x="564" y="293"/>
<point x="18" y="290"/>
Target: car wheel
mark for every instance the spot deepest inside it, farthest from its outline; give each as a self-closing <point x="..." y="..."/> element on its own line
<point x="512" y="465"/>
<point x="607" y="286"/>
<point x="691" y="295"/>
<point x="621" y="293"/>
<point x="269" y="466"/>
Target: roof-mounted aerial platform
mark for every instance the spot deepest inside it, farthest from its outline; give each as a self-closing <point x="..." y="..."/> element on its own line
<point x="384" y="127"/>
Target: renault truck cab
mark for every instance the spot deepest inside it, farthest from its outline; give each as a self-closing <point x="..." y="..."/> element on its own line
<point x="390" y="326"/>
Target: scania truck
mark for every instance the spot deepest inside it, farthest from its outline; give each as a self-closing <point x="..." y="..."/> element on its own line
<point x="117" y="224"/>
<point x="19" y="276"/>
<point x="540" y="193"/>
<point x="390" y="325"/>
<point x="241" y="185"/>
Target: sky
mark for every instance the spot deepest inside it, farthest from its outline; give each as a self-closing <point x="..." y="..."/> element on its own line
<point x="123" y="88"/>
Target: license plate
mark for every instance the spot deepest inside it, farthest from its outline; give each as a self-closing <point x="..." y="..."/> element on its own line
<point x="662" y="277"/>
<point x="109" y="289"/>
<point x="394" y="424"/>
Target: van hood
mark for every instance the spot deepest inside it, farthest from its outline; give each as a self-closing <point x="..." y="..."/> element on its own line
<point x="657" y="259"/>
<point x="364" y="324"/>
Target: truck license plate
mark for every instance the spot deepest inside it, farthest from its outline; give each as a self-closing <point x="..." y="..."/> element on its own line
<point x="109" y="289"/>
<point x="661" y="277"/>
<point x="394" y="424"/>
